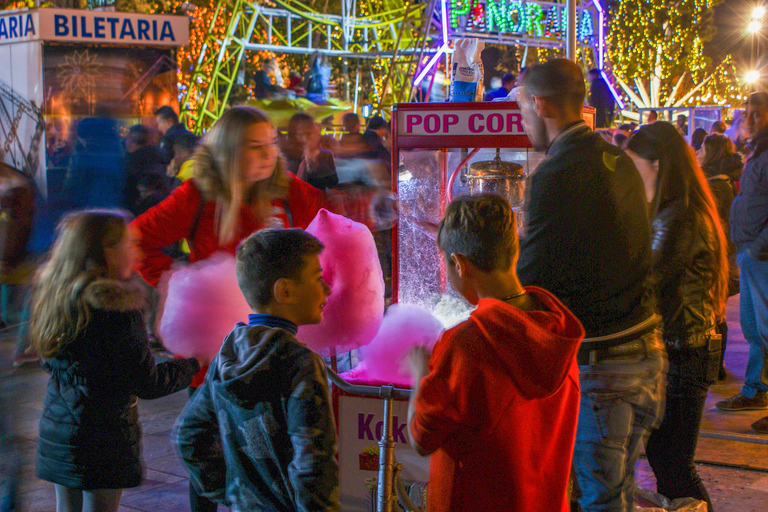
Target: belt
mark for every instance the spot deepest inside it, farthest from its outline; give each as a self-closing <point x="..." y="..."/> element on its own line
<point x="709" y="339"/>
<point x="638" y="347"/>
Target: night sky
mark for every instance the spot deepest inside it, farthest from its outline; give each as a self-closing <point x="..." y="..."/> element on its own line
<point x="731" y="19"/>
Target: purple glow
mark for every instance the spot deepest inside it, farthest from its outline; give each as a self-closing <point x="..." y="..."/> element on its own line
<point x="444" y="20"/>
<point x="429" y="65"/>
<point x="613" y="91"/>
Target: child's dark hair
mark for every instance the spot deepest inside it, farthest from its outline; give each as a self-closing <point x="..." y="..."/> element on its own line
<point x="186" y="140"/>
<point x="269" y="255"/>
<point x="482" y="228"/>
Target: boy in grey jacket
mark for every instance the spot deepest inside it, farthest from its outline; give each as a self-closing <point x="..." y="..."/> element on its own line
<point x="259" y="434"/>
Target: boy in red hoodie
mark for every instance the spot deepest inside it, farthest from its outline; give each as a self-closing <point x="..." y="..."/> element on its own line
<point x="497" y="402"/>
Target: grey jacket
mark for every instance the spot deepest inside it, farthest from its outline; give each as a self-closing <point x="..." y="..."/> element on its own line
<point x="749" y="210"/>
<point x="259" y="433"/>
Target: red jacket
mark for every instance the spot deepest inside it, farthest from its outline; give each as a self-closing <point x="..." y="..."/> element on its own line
<point x="174" y="218"/>
<point x="499" y="409"/>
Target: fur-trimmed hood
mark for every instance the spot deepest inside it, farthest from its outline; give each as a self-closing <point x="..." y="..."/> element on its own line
<point x="112" y="295"/>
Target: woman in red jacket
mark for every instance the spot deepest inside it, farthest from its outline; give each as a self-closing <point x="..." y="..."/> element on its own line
<point x="239" y="186"/>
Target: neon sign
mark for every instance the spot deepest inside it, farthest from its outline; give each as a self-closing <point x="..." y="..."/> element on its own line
<point x="536" y="19"/>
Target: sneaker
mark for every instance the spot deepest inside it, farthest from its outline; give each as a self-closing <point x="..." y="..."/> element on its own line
<point x="739" y="402"/>
<point x="761" y="425"/>
<point x="25" y="358"/>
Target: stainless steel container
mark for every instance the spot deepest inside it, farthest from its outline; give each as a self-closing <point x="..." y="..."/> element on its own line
<point x="506" y="179"/>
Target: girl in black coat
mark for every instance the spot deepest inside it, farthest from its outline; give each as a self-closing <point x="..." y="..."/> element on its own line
<point x="87" y="325"/>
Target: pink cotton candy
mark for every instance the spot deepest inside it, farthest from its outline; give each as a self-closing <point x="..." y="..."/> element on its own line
<point x="384" y="360"/>
<point x="202" y="305"/>
<point x="351" y="268"/>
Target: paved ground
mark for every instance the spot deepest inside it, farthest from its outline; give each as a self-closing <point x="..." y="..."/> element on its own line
<point x="726" y="439"/>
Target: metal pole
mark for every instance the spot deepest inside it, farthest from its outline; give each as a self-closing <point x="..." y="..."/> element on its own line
<point x="570" y="40"/>
<point x="384" y="496"/>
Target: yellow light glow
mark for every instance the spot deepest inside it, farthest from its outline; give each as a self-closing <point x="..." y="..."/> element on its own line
<point x="752" y="76"/>
<point x="755" y="26"/>
<point x="758" y="13"/>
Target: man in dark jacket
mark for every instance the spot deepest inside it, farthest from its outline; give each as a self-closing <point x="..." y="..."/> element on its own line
<point x="259" y="433"/>
<point x="749" y="232"/>
<point x="507" y="84"/>
<point x="170" y="127"/>
<point x="588" y="240"/>
<point x="601" y="98"/>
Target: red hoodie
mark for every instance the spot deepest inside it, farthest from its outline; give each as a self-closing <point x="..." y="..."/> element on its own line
<point x="499" y="408"/>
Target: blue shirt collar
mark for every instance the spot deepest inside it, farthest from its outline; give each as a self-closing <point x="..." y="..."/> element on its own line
<point x="273" y="321"/>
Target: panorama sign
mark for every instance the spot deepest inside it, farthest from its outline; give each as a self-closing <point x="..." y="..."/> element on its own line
<point x="99" y="27"/>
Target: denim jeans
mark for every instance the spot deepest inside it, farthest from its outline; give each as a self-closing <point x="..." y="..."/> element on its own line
<point x="670" y="449"/>
<point x="621" y="401"/>
<point x="14" y="311"/>
<point x="753" y="311"/>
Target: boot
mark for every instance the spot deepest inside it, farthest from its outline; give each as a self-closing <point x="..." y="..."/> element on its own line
<point x="722" y="329"/>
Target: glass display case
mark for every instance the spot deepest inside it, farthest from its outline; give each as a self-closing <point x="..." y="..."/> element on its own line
<point x="441" y="151"/>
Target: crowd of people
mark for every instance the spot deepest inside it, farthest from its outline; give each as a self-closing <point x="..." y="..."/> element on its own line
<point x="598" y="330"/>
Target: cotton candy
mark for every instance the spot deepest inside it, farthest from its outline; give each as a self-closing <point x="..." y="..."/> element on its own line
<point x="202" y="305"/>
<point x="351" y="268"/>
<point x="384" y="360"/>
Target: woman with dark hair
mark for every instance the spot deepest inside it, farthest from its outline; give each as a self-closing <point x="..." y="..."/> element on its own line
<point x="722" y="166"/>
<point x="697" y="138"/>
<point x="690" y="278"/>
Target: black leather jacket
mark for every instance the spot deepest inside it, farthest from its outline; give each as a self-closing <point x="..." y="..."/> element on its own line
<point x="684" y="249"/>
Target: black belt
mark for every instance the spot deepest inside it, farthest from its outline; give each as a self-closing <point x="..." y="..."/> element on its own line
<point x="638" y="347"/>
<point x="709" y="339"/>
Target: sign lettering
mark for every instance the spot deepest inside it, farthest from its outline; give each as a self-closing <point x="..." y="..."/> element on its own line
<point x="461" y="122"/>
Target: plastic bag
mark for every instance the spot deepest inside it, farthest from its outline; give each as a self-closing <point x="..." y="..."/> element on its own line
<point x="664" y="504"/>
<point x="467" y="71"/>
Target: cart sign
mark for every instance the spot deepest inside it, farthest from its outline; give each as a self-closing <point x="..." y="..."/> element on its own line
<point x="103" y="27"/>
<point x="454" y="125"/>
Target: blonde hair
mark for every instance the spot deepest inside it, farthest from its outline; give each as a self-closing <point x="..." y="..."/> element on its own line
<point x="217" y="170"/>
<point x="59" y="312"/>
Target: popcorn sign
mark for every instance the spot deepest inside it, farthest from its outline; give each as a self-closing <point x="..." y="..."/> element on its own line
<point x="463" y="123"/>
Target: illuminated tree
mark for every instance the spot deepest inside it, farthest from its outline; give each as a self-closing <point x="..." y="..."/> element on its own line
<point x="656" y="50"/>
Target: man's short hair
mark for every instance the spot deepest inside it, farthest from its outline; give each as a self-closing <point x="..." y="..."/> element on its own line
<point x="758" y="99"/>
<point x="482" y="228"/>
<point x="350" y="120"/>
<point x="507" y="78"/>
<point x="626" y="127"/>
<point x="269" y="255"/>
<point x="167" y="113"/>
<point x="138" y="134"/>
<point x="560" y="79"/>
<point x="378" y="122"/>
<point x="186" y="140"/>
<point x="594" y="72"/>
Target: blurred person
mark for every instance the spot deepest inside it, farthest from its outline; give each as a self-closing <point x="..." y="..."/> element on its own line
<point x="317" y="78"/>
<point x="601" y="98"/>
<point x="681" y="123"/>
<point x="749" y="232"/>
<point x="697" y="138"/>
<point x="87" y="324"/>
<point x="351" y="144"/>
<point x="723" y="167"/>
<point x="153" y="188"/>
<point x="508" y="81"/>
<point x="317" y="166"/>
<point x="262" y="81"/>
<point x="141" y="158"/>
<point x="271" y="386"/>
<point x="497" y="382"/>
<point x="239" y="185"/>
<point x="17" y="212"/>
<point x="732" y="131"/>
<point x="378" y="139"/>
<point x="690" y="279"/>
<point x="620" y="141"/>
<point x="626" y="129"/>
<point x="588" y="241"/>
<point x="329" y="143"/>
<point x="96" y="176"/>
<point x="180" y="168"/>
<point x="169" y="126"/>
<point x="10" y="441"/>
<point x="718" y="127"/>
<point x="653" y="116"/>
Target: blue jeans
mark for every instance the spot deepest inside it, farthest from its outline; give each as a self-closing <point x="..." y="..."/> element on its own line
<point x="621" y="401"/>
<point x="753" y="314"/>
<point x="14" y="312"/>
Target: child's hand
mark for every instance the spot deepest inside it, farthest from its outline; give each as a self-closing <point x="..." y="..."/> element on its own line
<point x="418" y="360"/>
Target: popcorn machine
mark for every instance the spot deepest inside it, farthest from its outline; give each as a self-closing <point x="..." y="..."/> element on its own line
<point x="441" y="151"/>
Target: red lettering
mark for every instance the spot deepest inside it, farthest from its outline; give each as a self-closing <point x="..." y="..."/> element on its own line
<point x="410" y="121"/>
<point x="432" y="123"/>
<point x="449" y="120"/>
<point x="516" y="121"/>
<point x="472" y="127"/>
<point x="495" y="123"/>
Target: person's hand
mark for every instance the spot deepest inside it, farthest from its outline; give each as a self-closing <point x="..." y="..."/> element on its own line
<point x="418" y="361"/>
<point x="172" y="169"/>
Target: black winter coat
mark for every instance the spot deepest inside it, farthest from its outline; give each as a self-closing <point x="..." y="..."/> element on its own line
<point x="89" y="430"/>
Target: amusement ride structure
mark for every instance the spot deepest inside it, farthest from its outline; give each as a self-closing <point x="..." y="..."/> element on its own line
<point x="406" y="39"/>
